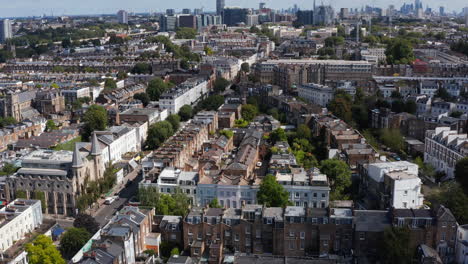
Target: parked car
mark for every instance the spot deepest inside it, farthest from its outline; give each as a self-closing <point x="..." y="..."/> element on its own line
<point x="110" y="200"/>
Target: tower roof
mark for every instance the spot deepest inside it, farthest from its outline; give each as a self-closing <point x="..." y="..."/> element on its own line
<point x="95" y="149"/>
<point x="77" y="160"/>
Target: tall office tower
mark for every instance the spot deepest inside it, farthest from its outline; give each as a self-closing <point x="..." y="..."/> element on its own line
<point x="186" y="11"/>
<point x="261" y="5"/>
<point x="122" y="17"/>
<point x="235" y="15"/>
<point x="466" y="16"/>
<point x="5" y="30"/>
<point x="442" y="11"/>
<point x="344" y="13"/>
<point x="220" y="6"/>
<point x="305" y="17"/>
<point x="198" y="11"/>
<point x="170" y="12"/>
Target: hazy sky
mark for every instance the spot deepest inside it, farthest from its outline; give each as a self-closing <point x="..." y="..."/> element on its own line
<point x="12" y="8"/>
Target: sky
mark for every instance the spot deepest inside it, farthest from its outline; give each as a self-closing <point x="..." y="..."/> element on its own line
<point x="20" y="8"/>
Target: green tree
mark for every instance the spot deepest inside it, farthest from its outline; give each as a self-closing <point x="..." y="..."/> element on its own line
<point x="156" y="87"/>
<point x="393" y="139"/>
<point x="226" y="133"/>
<point x="399" y="51"/>
<point x="443" y="94"/>
<point x="158" y="133"/>
<point x="215" y="203"/>
<point x="40" y="195"/>
<point x="398" y="106"/>
<point x="249" y="112"/>
<point x="452" y="196"/>
<point x="86" y="222"/>
<point x="110" y="84"/>
<point x="94" y="119"/>
<point x="272" y="194"/>
<point x="245" y="67"/>
<point x="278" y="135"/>
<point x="411" y="107"/>
<point x="220" y="84"/>
<point x="43" y="251"/>
<point x="174" y="120"/>
<point x="8" y="169"/>
<point x="208" y="51"/>
<point x="461" y="173"/>
<point x="121" y="75"/>
<point x="142" y="68"/>
<point x="186" y="33"/>
<point x="143" y="97"/>
<point x="339" y="175"/>
<point x="72" y="241"/>
<point x="341" y="105"/>
<point x="175" y="251"/>
<point x="50" y="125"/>
<point x="303" y="131"/>
<point x="212" y="103"/>
<point x="395" y="246"/>
<point x="185" y="112"/>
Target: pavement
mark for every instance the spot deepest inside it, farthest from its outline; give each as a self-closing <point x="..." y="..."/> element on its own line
<point x="105" y="212"/>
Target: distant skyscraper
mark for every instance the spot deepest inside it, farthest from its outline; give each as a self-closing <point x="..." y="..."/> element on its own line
<point x="186" y="11"/>
<point x="261" y="5"/>
<point x="442" y="11"/>
<point x="305" y="17"/>
<point x="235" y="15"/>
<point x="197" y="11"/>
<point x="5" y="30"/>
<point x="220" y="6"/>
<point x="122" y="17"/>
<point x="170" y="12"/>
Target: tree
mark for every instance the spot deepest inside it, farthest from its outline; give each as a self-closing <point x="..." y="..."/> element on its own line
<point x="226" y="133"/>
<point x="456" y="114"/>
<point x="177" y="203"/>
<point x="411" y="107"/>
<point x="50" y="125"/>
<point x="461" y="173"/>
<point x="186" y="33"/>
<point x="158" y="133"/>
<point x="94" y="119"/>
<point x="8" y="169"/>
<point x="399" y="51"/>
<point x="86" y="222"/>
<point x="398" y="106"/>
<point x="72" y="241"/>
<point x="143" y="97"/>
<point x="303" y="131"/>
<point x="332" y="42"/>
<point x="43" y="251"/>
<point x="452" y="196"/>
<point x="185" y="112"/>
<point x="220" y="84"/>
<point x="395" y="246"/>
<point x="110" y="84"/>
<point x="278" y="135"/>
<point x="142" y="68"/>
<point x="121" y="75"/>
<point x="208" y="51"/>
<point x="272" y="194"/>
<point x="175" y="251"/>
<point x="156" y="87"/>
<point x="443" y="94"/>
<point x="249" y="112"/>
<point x="212" y="103"/>
<point x="339" y="175"/>
<point x="393" y="139"/>
<point x="174" y="120"/>
<point x="341" y="105"/>
<point x="245" y="67"/>
<point x="215" y="203"/>
<point x="359" y="96"/>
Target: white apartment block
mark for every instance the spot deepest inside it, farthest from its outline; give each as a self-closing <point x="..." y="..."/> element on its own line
<point x="72" y="95"/>
<point x="396" y="183"/>
<point x="306" y="188"/>
<point x="228" y="195"/>
<point x="443" y="148"/>
<point x="186" y="93"/>
<point x="116" y="141"/>
<point x="316" y="93"/>
<point x="378" y="53"/>
<point x="17" y="219"/>
<point x="171" y="179"/>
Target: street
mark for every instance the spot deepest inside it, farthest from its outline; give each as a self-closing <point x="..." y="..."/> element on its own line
<point x="105" y="212"/>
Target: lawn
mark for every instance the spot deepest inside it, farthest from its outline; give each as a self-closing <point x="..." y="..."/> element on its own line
<point x="69" y="145"/>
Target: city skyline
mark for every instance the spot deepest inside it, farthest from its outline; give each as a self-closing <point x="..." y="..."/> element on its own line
<point x="27" y="8"/>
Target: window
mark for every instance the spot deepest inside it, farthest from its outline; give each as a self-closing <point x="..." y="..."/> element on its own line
<point x="362" y="236"/>
<point x="173" y="236"/>
<point x="227" y="233"/>
<point x="406" y="192"/>
<point x="302" y="235"/>
<point x="297" y="195"/>
<point x="302" y="245"/>
<point x="258" y="233"/>
<point x="190" y="231"/>
<point x="405" y="205"/>
<point x="291" y="245"/>
<point x="323" y="195"/>
<point x="291" y="233"/>
<point x="236" y="237"/>
<point x="247" y="230"/>
<point x="199" y="237"/>
<point x="221" y="193"/>
<point x="196" y="251"/>
<point x="234" y="204"/>
<point x="315" y="194"/>
<point x="269" y="221"/>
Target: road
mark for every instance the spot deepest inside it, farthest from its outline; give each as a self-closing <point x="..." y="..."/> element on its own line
<point x="105" y="212"/>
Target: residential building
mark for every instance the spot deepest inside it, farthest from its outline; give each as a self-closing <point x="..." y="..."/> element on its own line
<point x="461" y="250"/>
<point x="141" y="115"/>
<point x="444" y="147"/>
<point x="186" y="93"/>
<point x="316" y="93"/>
<point x="5" y="30"/>
<point x="18" y="219"/>
<point x="116" y="141"/>
<point x="122" y="17"/>
<point x="73" y="94"/>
